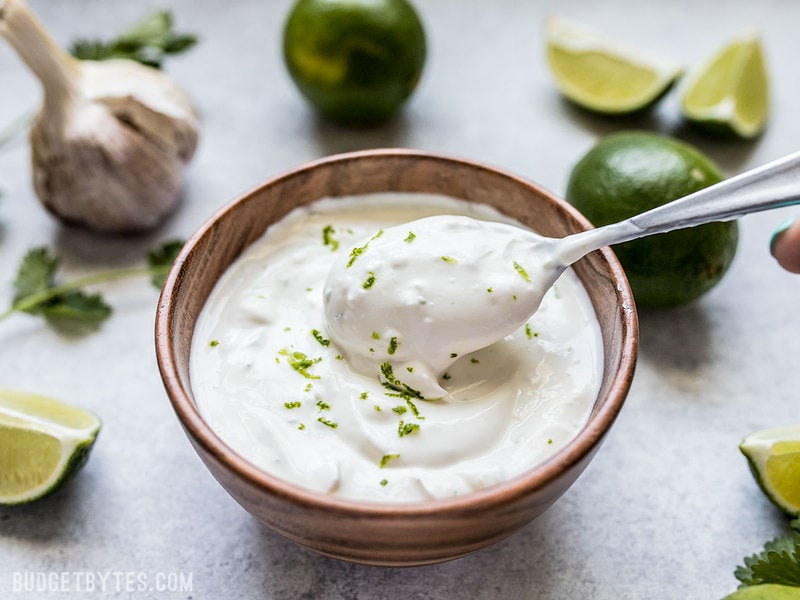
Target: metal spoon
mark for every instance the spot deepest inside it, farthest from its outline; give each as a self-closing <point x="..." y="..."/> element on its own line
<point x="437" y="312"/>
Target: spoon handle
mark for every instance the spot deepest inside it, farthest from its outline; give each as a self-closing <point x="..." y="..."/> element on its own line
<point x="773" y="185"/>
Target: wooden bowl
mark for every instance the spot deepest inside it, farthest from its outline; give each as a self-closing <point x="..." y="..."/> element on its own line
<point x="375" y="533"/>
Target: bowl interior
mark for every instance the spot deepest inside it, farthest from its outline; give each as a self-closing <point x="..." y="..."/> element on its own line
<point x="210" y="251"/>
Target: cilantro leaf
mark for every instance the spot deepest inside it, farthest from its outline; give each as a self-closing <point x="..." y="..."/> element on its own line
<point x="778" y="562"/>
<point x="76" y="313"/>
<point x="35" y="275"/>
<point x="148" y="41"/>
<point x="66" y="306"/>
<point x="71" y="311"/>
<point x="161" y="259"/>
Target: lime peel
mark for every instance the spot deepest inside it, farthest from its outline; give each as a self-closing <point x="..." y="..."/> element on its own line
<point x="774" y="459"/>
<point x="601" y="74"/>
<point x="43" y="443"/>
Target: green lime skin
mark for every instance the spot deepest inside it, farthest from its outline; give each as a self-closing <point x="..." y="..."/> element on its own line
<point x="630" y="172"/>
<point x="355" y="61"/>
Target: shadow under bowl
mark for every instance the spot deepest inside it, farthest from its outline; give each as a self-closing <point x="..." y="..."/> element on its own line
<point x="367" y="532"/>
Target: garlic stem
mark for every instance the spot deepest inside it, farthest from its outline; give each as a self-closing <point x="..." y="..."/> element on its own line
<point x="55" y="69"/>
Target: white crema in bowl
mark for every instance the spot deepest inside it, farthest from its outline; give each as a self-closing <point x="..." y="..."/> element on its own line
<point x="272" y="384"/>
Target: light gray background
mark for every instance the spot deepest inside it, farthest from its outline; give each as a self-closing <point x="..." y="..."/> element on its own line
<point x="666" y="510"/>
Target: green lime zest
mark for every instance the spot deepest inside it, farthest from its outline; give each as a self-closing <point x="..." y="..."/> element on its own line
<point x="391" y="381"/>
<point x="318" y="336"/>
<point x="328" y="422"/>
<point x="404" y="429"/>
<point x="359" y="250"/>
<point x="328" y="239"/>
<point x="388" y="457"/>
<point x="521" y="270"/>
<point x="300" y="362"/>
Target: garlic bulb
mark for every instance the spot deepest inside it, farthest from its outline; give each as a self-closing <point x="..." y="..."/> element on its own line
<point x="112" y="139"/>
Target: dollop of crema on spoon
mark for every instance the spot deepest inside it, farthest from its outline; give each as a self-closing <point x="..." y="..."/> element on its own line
<point x="412" y="299"/>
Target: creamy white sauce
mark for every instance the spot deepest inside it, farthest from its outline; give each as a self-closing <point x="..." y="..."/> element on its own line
<point x="278" y="390"/>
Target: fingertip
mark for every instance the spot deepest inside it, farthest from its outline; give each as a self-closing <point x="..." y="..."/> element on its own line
<point x="785" y="245"/>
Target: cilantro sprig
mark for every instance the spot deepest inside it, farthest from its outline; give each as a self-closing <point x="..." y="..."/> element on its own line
<point x="148" y="41"/>
<point x="67" y="306"/>
<point x="778" y="563"/>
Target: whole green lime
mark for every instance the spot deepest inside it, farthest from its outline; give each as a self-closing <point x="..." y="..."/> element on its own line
<point x="630" y="172"/>
<point x="355" y="60"/>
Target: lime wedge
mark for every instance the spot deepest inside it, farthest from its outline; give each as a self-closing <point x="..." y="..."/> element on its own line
<point x="774" y="459"/>
<point x="730" y="93"/>
<point x="602" y="75"/>
<point x="43" y="442"/>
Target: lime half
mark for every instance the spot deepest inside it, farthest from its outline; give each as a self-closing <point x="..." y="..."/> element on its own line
<point x="43" y="442"/>
<point x="730" y="93"/>
<point x="601" y="74"/>
<point x="766" y="591"/>
<point x="774" y="459"/>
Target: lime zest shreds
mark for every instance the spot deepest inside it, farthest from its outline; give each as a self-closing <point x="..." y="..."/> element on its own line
<point x="328" y="422"/>
<point x="449" y="259"/>
<point x="414" y="409"/>
<point x="318" y="336"/>
<point x="300" y="362"/>
<point x="522" y="272"/>
<point x="369" y="281"/>
<point x="601" y="74"/>
<point x="530" y="332"/>
<point x="386" y="458"/>
<point x="359" y="250"/>
<point x="391" y="381"/>
<point x="730" y="92"/>
<point x="328" y="239"/>
<point x="43" y="443"/>
<point x="355" y="253"/>
<point x="410" y="237"/>
<point x="404" y="429"/>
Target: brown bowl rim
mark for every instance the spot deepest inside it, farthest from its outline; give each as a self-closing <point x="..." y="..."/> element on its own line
<point x="577" y="449"/>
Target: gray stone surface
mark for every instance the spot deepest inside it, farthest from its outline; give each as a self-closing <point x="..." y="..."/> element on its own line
<point x="666" y="510"/>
